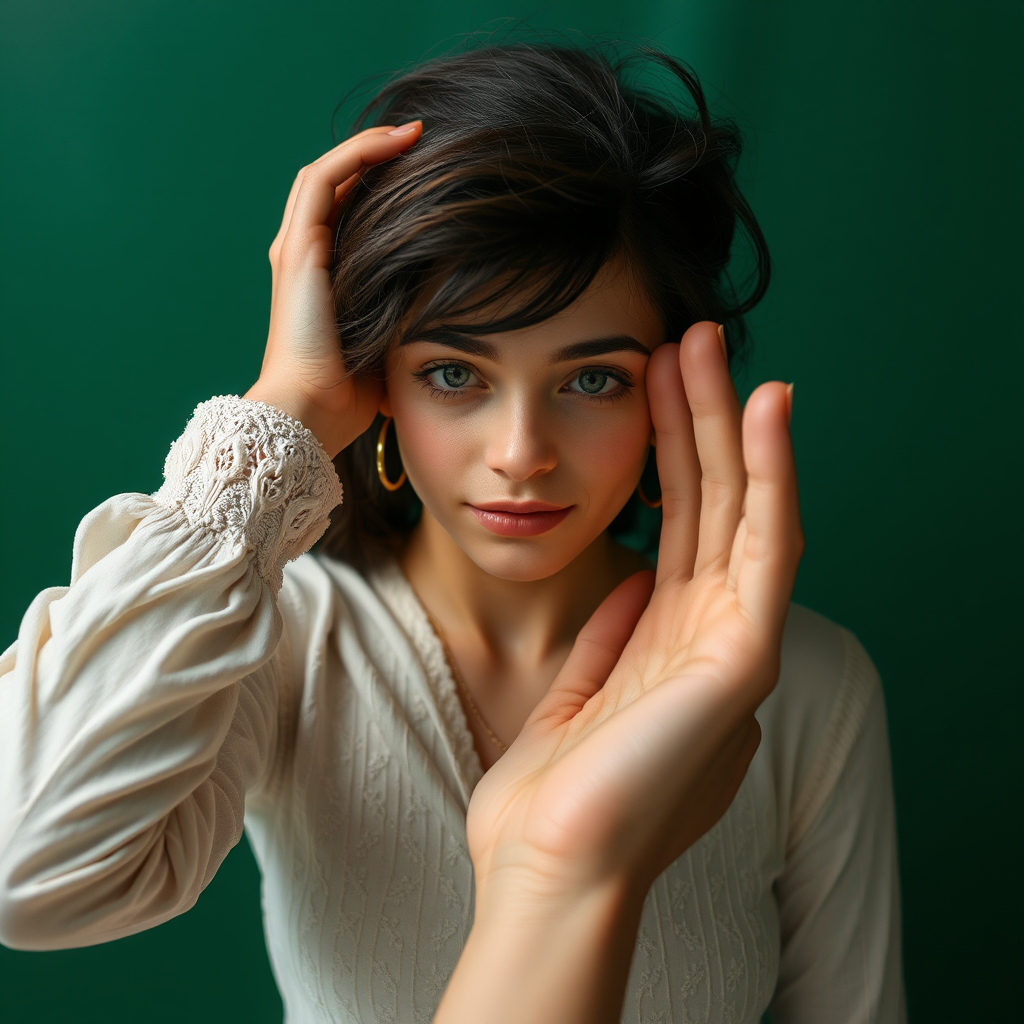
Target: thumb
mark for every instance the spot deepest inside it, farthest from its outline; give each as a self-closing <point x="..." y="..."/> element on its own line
<point x="597" y="649"/>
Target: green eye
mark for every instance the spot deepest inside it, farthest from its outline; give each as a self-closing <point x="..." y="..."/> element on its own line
<point x="592" y="382"/>
<point x="445" y="380"/>
<point x="455" y="376"/>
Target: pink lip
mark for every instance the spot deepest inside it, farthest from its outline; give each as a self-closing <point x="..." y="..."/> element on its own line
<point x="519" y="519"/>
<point x="518" y="507"/>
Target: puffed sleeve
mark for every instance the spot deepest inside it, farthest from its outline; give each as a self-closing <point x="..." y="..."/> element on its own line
<point x="839" y="894"/>
<point x="139" y="705"/>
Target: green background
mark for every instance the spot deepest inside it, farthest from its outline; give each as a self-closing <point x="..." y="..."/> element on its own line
<point x="146" y="152"/>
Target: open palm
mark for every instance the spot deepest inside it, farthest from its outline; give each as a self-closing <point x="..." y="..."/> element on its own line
<point x="642" y="741"/>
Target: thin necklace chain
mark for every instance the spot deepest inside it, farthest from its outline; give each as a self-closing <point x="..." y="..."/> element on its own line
<point x="461" y="683"/>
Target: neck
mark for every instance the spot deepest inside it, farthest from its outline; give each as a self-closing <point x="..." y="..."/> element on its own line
<point x="513" y="621"/>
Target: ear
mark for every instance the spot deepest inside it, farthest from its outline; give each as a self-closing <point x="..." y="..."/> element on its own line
<point x="385" y="404"/>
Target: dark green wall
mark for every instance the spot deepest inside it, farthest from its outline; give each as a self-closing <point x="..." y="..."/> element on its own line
<point x="146" y="152"/>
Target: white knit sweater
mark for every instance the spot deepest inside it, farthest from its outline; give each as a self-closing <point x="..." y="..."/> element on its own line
<point x="182" y="686"/>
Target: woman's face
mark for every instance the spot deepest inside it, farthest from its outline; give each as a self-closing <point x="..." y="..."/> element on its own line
<point x="524" y="445"/>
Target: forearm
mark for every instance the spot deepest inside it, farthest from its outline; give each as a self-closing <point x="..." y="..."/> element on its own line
<point x="532" y="960"/>
<point x="140" y="704"/>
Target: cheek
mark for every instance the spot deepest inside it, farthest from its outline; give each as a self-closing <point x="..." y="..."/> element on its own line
<point x="435" y="447"/>
<point x="608" y="456"/>
<point x="601" y="452"/>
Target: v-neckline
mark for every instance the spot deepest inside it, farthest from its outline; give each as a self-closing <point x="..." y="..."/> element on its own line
<point x="388" y="579"/>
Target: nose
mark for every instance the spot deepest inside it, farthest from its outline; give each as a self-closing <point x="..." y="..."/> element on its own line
<point x="520" y="444"/>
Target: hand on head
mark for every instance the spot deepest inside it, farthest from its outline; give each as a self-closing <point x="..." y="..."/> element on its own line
<point x="303" y="371"/>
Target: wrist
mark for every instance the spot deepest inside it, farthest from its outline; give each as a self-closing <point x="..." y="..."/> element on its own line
<point x="532" y="895"/>
<point x="545" y="957"/>
<point x="321" y="424"/>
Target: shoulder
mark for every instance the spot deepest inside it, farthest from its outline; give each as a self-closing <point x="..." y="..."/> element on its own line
<point x="322" y="593"/>
<point x="312" y="580"/>
<point x="823" y="664"/>
<point x="819" y="657"/>
<point x="326" y="601"/>
<point x="810" y="722"/>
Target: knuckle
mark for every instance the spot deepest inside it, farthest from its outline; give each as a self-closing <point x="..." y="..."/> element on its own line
<point x="716" y="490"/>
<point x="756" y="547"/>
<point x="289" y="252"/>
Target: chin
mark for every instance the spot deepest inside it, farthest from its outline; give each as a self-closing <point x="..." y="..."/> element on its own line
<point x="520" y="561"/>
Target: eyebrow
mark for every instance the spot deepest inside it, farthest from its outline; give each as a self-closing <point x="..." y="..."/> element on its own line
<point x="577" y="350"/>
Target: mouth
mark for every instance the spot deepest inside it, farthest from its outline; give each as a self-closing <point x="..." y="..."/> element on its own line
<point x="519" y="519"/>
<point x="518" y="508"/>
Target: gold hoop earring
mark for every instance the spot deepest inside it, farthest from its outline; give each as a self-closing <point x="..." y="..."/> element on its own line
<point x="381" y="471"/>
<point x="643" y="497"/>
<point x="647" y="501"/>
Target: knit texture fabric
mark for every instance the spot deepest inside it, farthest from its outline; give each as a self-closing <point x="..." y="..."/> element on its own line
<point x="177" y="692"/>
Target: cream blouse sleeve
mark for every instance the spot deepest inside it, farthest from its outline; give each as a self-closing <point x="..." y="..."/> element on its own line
<point x="839" y="895"/>
<point x="139" y="705"/>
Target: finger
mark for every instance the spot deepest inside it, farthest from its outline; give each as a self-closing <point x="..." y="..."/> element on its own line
<point x="678" y="466"/>
<point x="598" y="647"/>
<point x="339" y="196"/>
<point x="315" y="198"/>
<point x="736" y="557"/>
<point x="286" y="218"/>
<point x="289" y="205"/>
<point x="774" y="540"/>
<point x="717" y="430"/>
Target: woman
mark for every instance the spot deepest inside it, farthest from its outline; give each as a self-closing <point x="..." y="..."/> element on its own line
<point x="493" y="767"/>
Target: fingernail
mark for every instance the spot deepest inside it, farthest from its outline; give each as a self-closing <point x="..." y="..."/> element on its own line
<point x="789" y="402"/>
<point x="721" y="338"/>
<point x="404" y="129"/>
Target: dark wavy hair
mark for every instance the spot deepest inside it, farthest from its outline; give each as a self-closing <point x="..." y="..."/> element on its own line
<point x="537" y="164"/>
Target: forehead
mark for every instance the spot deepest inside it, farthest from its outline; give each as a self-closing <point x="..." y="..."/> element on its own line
<point x="614" y="305"/>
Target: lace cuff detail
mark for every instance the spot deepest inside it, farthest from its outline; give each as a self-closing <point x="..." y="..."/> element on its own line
<point x="251" y="472"/>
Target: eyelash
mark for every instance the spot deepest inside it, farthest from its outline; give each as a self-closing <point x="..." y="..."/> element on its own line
<point x="625" y="382"/>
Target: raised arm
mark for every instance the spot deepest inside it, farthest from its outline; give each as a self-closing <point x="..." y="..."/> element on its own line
<point x="139" y="706"/>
